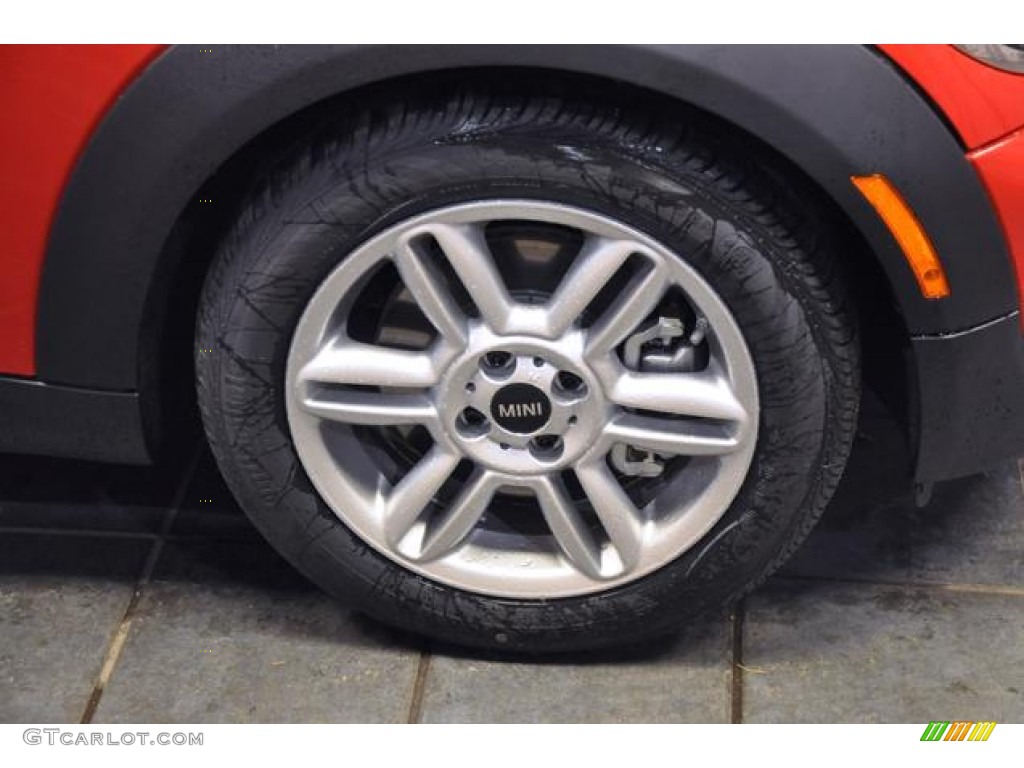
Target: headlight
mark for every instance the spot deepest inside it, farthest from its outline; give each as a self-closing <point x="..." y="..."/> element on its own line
<point x="1006" y="57"/>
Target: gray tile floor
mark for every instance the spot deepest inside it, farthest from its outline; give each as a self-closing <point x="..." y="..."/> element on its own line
<point x="143" y="595"/>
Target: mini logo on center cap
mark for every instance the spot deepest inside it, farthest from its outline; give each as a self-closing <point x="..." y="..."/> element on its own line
<point x="520" y="408"/>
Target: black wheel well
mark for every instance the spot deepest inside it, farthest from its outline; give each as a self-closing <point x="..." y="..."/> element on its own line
<point x="166" y="345"/>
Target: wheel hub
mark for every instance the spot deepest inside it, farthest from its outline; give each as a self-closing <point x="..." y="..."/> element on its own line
<point x="521" y="406"/>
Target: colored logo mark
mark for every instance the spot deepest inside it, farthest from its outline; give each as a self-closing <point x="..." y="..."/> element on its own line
<point x="958" y="731"/>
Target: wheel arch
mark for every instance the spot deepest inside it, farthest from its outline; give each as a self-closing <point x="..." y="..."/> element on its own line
<point x="134" y="232"/>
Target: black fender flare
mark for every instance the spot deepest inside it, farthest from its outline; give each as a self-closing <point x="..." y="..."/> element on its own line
<point x="834" y="111"/>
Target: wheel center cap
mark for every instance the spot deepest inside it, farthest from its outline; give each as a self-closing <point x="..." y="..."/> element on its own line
<point x="520" y="408"/>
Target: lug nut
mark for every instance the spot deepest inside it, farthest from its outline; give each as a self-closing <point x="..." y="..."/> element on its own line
<point x="472" y="423"/>
<point x="498" y="364"/>
<point x="547" y="447"/>
<point x="569" y="385"/>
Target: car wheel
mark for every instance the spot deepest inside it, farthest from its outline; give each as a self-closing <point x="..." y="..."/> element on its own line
<point x="528" y="372"/>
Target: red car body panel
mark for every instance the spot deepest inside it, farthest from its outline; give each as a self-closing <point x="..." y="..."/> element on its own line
<point x="54" y="97"/>
<point x="983" y="103"/>
<point x="986" y="107"/>
<point x="58" y="94"/>
<point x="1001" y="167"/>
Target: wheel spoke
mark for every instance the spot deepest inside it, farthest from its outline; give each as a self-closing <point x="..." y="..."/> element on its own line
<point x="618" y="515"/>
<point x="596" y="264"/>
<point x="428" y="287"/>
<point x="683" y="394"/>
<point x="467" y="251"/>
<point x="571" y="533"/>
<point x="684" y="438"/>
<point x="351" y="362"/>
<point x="415" y="491"/>
<point x="461" y="516"/>
<point x="638" y="299"/>
<point x="371" y="408"/>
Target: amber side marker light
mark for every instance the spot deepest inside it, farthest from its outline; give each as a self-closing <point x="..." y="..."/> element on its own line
<point x="913" y="240"/>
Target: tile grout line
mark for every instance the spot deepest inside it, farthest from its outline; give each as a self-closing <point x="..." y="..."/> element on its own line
<point x="419" y="687"/>
<point x="924" y="586"/>
<point x="120" y="638"/>
<point x="736" y="679"/>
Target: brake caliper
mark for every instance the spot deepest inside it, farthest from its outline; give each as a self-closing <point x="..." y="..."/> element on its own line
<point x="663" y="346"/>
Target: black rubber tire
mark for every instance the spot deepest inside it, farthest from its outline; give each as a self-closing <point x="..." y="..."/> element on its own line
<point x="732" y="214"/>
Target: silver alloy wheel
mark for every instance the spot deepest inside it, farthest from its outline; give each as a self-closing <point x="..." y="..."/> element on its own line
<point x="514" y="396"/>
